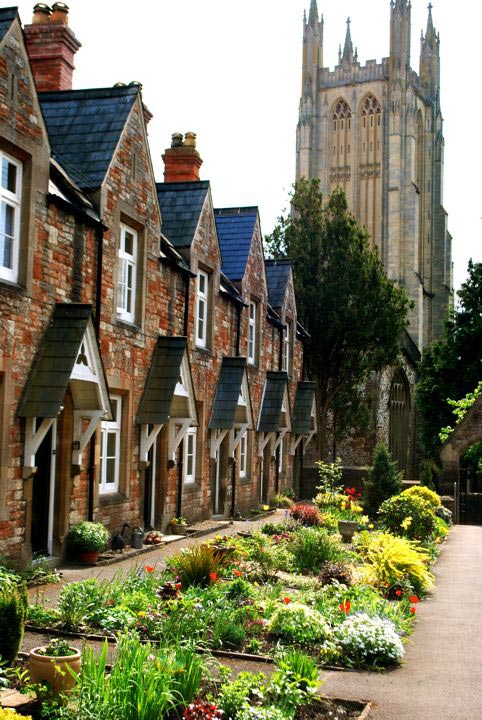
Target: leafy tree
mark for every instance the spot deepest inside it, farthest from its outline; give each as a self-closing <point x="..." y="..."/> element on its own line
<point x="384" y="480"/>
<point x="451" y="368"/>
<point x="353" y="313"/>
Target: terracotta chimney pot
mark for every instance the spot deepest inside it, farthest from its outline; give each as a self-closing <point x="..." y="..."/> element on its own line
<point x="41" y="14"/>
<point x="176" y="140"/>
<point x="182" y="161"/>
<point x="60" y="13"/>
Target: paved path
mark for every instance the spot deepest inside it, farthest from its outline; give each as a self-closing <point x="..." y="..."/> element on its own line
<point x="441" y="678"/>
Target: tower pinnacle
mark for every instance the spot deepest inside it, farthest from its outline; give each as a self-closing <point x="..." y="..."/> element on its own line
<point x="313" y="12"/>
<point x="348" y="49"/>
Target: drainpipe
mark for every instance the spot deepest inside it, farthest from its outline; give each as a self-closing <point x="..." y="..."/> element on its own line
<point x="99" y="235"/>
<point x="187" y="279"/>
<point x="238" y="328"/>
<point x="180" y="463"/>
<point x="280" y="353"/>
<point x="233" y="488"/>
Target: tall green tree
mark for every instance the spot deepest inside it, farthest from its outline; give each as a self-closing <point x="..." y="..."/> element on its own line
<point x="353" y="313"/>
<point x="451" y="368"/>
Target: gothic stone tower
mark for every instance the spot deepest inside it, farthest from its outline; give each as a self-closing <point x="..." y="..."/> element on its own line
<point x="376" y="131"/>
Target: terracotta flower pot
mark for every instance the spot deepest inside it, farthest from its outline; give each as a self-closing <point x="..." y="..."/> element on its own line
<point x="53" y="670"/>
<point x="88" y="557"/>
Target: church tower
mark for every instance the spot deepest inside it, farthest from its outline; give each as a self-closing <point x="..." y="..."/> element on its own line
<point x="376" y="130"/>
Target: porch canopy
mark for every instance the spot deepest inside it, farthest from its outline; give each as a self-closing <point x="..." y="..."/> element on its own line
<point x="304" y="425"/>
<point x="231" y="414"/>
<point x="274" y="417"/>
<point x="168" y="396"/>
<point x="69" y="356"/>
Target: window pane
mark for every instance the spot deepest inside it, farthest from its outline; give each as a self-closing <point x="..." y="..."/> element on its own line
<point x="6" y="252"/>
<point x="202" y="283"/>
<point x="110" y="471"/>
<point x="9" y="176"/>
<point x="129" y="242"/>
<point x="111" y="445"/>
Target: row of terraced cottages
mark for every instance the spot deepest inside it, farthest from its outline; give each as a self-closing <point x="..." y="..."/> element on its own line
<point x="151" y="363"/>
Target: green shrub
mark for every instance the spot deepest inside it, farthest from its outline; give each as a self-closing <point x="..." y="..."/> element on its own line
<point x="408" y="515"/>
<point x="87" y="537"/>
<point x="197" y="566"/>
<point x="339" y="572"/>
<point x="280" y="500"/>
<point x="312" y="547"/>
<point x="383" y="480"/>
<point x="425" y="493"/>
<point x="393" y="561"/>
<point x="78" y="600"/>
<point x="293" y="683"/>
<point x="331" y="476"/>
<point x="299" y="623"/>
<point x="239" y="590"/>
<point x="13" y="611"/>
<point x="241" y="692"/>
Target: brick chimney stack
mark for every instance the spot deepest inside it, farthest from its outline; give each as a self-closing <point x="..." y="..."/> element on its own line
<point x="51" y="46"/>
<point x="182" y="161"/>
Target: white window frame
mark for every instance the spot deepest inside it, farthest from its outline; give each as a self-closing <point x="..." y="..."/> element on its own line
<point x="253" y="312"/>
<point x="287" y="347"/>
<point x="243" y="455"/>
<point x="126" y="260"/>
<point x="202" y="305"/>
<point x="12" y="200"/>
<point x="111" y="427"/>
<point x="190" y="438"/>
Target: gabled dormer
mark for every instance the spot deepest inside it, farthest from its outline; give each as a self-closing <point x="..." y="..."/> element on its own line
<point x="281" y="296"/>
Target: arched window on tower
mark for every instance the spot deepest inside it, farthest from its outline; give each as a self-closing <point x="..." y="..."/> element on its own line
<point x="399" y="411"/>
<point x="371" y="113"/>
<point x="341" y="119"/>
<point x="370" y="163"/>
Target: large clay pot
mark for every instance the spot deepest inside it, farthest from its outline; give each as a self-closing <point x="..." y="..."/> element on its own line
<point x="347" y="529"/>
<point x="53" y="670"/>
<point x="88" y="557"/>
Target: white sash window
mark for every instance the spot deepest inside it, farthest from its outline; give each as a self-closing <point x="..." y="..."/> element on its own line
<point x="10" y="199"/>
<point x="126" y="278"/>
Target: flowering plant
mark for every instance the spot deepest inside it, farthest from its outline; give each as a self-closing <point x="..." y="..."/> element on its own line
<point x="365" y="640"/>
<point x="179" y="520"/>
<point x="298" y="622"/>
<point x="201" y="710"/>
<point x="306" y="515"/>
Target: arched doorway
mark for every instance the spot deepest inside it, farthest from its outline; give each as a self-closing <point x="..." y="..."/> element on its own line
<point x="399" y="413"/>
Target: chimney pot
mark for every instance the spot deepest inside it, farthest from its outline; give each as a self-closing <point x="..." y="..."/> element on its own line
<point x="41" y="14"/>
<point x="176" y="140"/>
<point x="190" y="139"/>
<point x="60" y="13"/>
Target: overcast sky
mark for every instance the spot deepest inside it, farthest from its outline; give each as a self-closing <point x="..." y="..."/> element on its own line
<point x="230" y="70"/>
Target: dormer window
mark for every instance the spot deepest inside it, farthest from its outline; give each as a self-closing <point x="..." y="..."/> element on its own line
<point x="202" y="298"/>
<point x="10" y="199"/>
<point x="126" y="278"/>
<point x="252" y="349"/>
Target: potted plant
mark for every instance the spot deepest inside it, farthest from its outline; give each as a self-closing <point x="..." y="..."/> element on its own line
<point x="347" y="528"/>
<point x="87" y="539"/>
<point x="50" y="663"/>
<point x="179" y="525"/>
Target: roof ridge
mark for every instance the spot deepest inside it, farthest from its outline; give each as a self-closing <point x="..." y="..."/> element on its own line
<point x="236" y="210"/>
<point x="202" y="184"/>
<point x="98" y="92"/>
<point x="278" y="261"/>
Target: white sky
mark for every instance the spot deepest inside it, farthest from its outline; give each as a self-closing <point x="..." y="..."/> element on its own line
<point x="230" y="70"/>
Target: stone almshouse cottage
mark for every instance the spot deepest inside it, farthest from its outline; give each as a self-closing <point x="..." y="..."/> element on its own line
<point x="150" y="359"/>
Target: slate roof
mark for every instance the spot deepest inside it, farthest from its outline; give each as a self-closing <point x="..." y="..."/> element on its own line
<point x="164" y="373"/>
<point x="277" y="275"/>
<point x="46" y="387"/>
<point x="235" y="228"/>
<point x="84" y="128"/>
<point x="228" y="390"/>
<point x="181" y="205"/>
<point x="301" y="420"/>
<point x="7" y="16"/>
<point x="270" y="414"/>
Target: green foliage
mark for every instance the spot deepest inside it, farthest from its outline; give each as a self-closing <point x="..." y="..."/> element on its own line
<point x="234" y="695"/>
<point x="331" y="477"/>
<point x="408" y="515"/>
<point x="312" y="547"/>
<point x="339" y="572"/>
<point x="281" y="500"/>
<point x="196" y="565"/>
<point x="78" y="600"/>
<point x="353" y="313"/>
<point x="145" y="683"/>
<point x="459" y="409"/>
<point x="293" y="683"/>
<point x="88" y="537"/>
<point x="428" y="473"/>
<point x="425" y="493"/>
<point x="452" y="367"/>
<point x="13" y="611"/>
<point x="383" y="480"/>
<point x="393" y="561"/>
<point x="299" y="623"/>
<point x="239" y="590"/>
<point x="265" y="557"/>
<point x="57" y="647"/>
<point x="41" y="615"/>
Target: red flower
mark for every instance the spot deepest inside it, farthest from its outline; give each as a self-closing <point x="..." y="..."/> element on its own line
<point x="178" y="586"/>
<point x="287" y="600"/>
<point x="413" y="610"/>
<point x="413" y="599"/>
<point x="345" y="606"/>
<point x="213" y="576"/>
<point x="149" y="568"/>
<point x="398" y="593"/>
<point x="237" y="573"/>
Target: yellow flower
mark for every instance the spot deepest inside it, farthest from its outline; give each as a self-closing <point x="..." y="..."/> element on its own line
<point x="141" y="614"/>
<point x="405" y="524"/>
<point x="371" y="526"/>
<point x="265" y="507"/>
<point x="363" y="520"/>
<point x="343" y="505"/>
